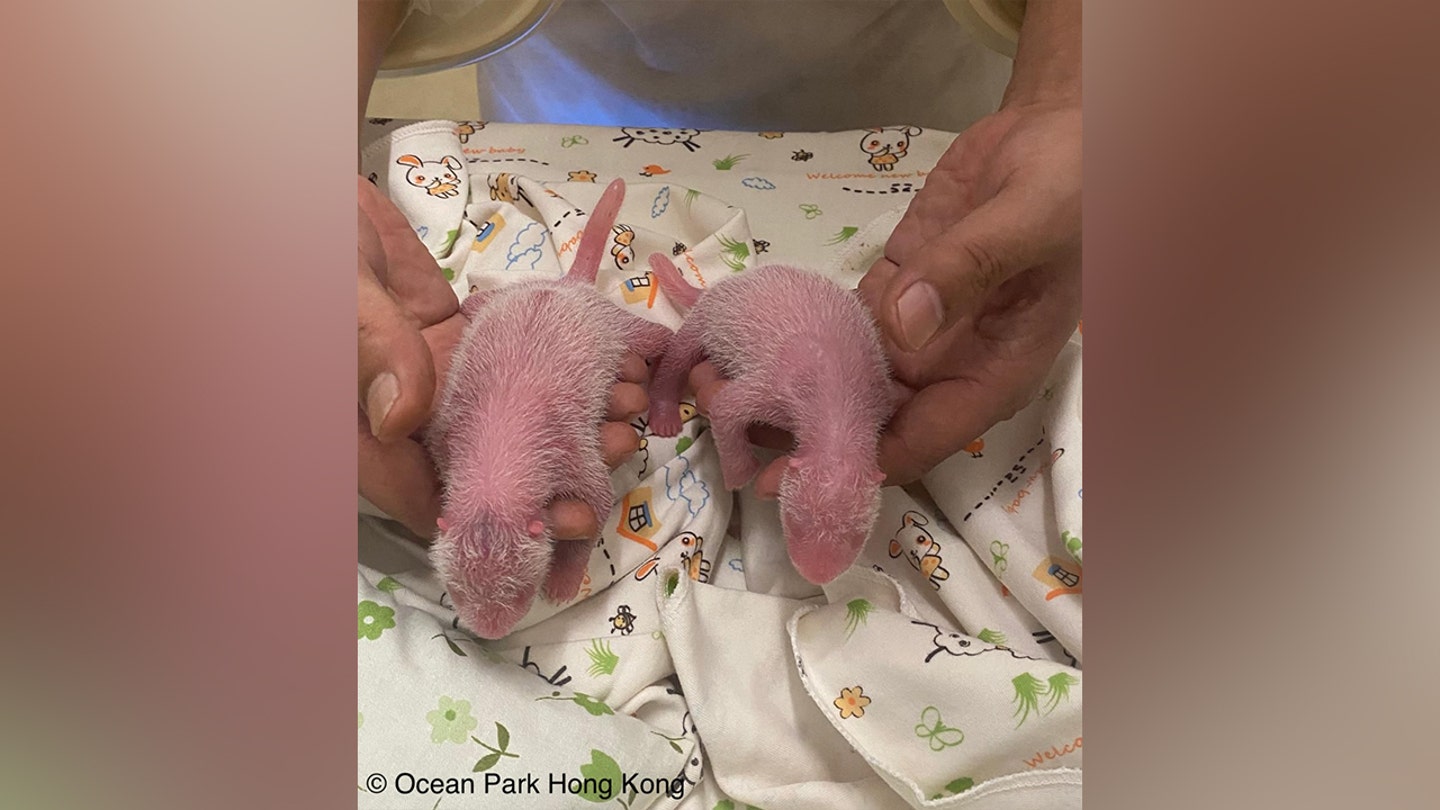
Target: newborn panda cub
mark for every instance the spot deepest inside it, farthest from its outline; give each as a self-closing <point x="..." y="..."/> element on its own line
<point x="803" y="355"/>
<point x="518" y="426"/>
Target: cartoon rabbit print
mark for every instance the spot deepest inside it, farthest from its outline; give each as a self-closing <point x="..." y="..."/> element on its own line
<point x="439" y="178"/>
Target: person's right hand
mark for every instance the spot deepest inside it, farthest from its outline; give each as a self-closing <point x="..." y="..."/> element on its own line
<point x="409" y="324"/>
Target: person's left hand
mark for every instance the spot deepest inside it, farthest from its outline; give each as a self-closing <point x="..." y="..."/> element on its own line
<point x="990" y="247"/>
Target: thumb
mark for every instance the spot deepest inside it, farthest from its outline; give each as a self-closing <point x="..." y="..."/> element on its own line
<point x="396" y="371"/>
<point x="948" y="277"/>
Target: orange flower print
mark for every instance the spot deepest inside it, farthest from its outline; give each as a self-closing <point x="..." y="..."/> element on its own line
<point x="852" y="702"/>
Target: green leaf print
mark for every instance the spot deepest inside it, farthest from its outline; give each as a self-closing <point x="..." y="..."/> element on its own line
<point x="1060" y="684"/>
<point x="724" y="804"/>
<point x="960" y="785"/>
<point x="388" y="585"/>
<point x="447" y="272"/>
<point x="602" y="659"/>
<point x="856" y="613"/>
<point x="734" y="253"/>
<point x="682" y="444"/>
<point x="591" y="705"/>
<point x="502" y="738"/>
<point x="450" y="237"/>
<point x="584" y="701"/>
<point x="599" y="773"/>
<point x="1072" y="545"/>
<point x="1028" y="691"/>
<point x="728" y="162"/>
<point x="843" y="235"/>
<point x="375" y="619"/>
<point x="991" y="637"/>
<point x="455" y="648"/>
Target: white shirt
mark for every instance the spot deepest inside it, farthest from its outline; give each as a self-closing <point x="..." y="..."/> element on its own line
<point x="811" y="65"/>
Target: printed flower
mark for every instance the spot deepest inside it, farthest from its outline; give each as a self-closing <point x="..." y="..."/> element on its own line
<point x="452" y="721"/>
<point x="852" y="702"/>
<point x="374" y="619"/>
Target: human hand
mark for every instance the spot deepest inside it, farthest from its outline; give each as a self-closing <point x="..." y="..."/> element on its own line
<point x="979" y="288"/>
<point x="409" y="324"/>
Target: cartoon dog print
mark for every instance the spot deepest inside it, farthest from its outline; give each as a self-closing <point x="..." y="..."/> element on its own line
<point x="886" y="145"/>
<point x="919" y="548"/>
<point x="505" y="187"/>
<point x="621" y="250"/>
<point x="439" y="178"/>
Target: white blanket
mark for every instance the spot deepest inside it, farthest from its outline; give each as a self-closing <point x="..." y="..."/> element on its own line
<point x="697" y="669"/>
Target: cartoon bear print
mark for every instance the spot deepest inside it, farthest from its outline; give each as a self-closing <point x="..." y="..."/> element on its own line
<point x="921" y="550"/>
<point x="886" y="145"/>
<point x="439" y="178"/>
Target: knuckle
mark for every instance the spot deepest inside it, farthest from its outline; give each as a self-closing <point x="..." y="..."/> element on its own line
<point x="989" y="269"/>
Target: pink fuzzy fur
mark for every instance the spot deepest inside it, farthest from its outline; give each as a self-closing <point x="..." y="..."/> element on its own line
<point x="518" y="426"/>
<point x="803" y="355"/>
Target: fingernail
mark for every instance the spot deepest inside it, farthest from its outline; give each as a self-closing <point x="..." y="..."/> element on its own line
<point x="384" y="390"/>
<point x="921" y="314"/>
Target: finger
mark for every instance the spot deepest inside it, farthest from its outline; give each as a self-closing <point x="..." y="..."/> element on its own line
<point x="767" y="483"/>
<point x="871" y="288"/>
<point x="408" y="271"/>
<point x="627" y="399"/>
<point x="633" y="368"/>
<point x="937" y="423"/>
<point x="618" y="442"/>
<point x="396" y="370"/>
<point x="947" y="278"/>
<point x="399" y="479"/>
<point x="571" y="520"/>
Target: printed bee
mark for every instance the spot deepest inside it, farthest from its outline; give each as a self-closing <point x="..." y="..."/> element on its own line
<point x="623" y="620"/>
<point x="761" y="246"/>
<point x="801" y="155"/>
<point x="678" y="249"/>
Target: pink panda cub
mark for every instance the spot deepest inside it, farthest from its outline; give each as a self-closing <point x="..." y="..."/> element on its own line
<point x="518" y="426"/>
<point x="804" y="355"/>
